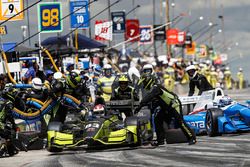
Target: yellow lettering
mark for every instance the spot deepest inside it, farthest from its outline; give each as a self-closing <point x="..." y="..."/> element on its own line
<point x="2" y="31"/>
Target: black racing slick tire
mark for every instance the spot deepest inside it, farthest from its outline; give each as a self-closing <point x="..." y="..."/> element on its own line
<point x="211" y="121"/>
<point x="52" y="148"/>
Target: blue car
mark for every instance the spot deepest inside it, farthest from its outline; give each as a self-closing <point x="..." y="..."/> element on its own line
<point x="229" y="117"/>
<point x="216" y="114"/>
<point x="196" y="118"/>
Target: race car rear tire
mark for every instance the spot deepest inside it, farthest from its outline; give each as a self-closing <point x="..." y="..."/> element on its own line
<point x="53" y="149"/>
<point x="55" y="126"/>
<point x="211" y="121"/>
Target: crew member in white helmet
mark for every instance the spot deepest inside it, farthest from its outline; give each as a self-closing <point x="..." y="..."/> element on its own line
<point x="197" y="80"/>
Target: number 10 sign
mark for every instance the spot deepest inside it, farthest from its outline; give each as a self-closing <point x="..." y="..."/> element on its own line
<point x="50" y="17"/>
<point x="80" y="14"/>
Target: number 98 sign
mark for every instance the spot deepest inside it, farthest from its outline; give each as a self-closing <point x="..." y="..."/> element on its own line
<point x="146" y="35"/>
<point x="49" y="17"/>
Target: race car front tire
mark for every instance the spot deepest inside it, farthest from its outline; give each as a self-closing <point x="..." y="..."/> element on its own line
<point x="211" y="121"/>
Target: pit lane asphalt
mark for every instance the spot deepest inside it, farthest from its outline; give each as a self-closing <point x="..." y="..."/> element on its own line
<point x="228" y="150"/>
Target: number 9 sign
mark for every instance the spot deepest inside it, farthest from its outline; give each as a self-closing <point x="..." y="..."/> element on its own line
<point x="49" y="17"/>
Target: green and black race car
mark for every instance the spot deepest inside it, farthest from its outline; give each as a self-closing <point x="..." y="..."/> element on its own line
<point x="97" y="131"/>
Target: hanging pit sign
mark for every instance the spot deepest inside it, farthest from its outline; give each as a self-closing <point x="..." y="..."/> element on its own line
<point x="132" y="30"/>
<point x="10" y="8"/>
<point x="118" y="19"/>
<point x="80" y="14"/>
<point x="3" y="30"/>
<point x="103" y="30"/>
<point x="49" y="17"/>
<point x="146" y="34"/>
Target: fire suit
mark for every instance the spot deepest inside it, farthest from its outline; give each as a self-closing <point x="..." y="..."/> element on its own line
<point x="170" y="105"/>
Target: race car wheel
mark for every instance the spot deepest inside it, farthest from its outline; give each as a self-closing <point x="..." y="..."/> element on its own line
<point x="53" y="149"/>
<point x="212" y="121"/>
<point x="139" y="134"/>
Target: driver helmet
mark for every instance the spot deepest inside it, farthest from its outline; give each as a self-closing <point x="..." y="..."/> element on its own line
<point x="107" y="70"/>
<point x="192" y="71"/>
<point x="37" y="83"/>
<point x="73" y="79"/>
<point x="148" y="69"/>
<point x="123" y="82"/>
<point x="224" y="101"/>
<point x="99" y="110"/>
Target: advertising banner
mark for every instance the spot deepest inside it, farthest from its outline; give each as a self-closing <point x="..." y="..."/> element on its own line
<point x="201" y="51"/>
<point x="191" y="50"/>
<point x="49" y="17"/>
<point x="118" y="19"/>
<point x="160" y="34"/>
<point x="103" y="30"/>
<point x="3" y="30"/>
<point x="80" y="17"/>
<point x="10" y="8"/>
<point x="132" y="30"/>
<point x="146" y="34"/>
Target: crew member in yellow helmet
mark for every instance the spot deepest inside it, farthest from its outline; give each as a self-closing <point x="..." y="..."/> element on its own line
<point x="124" y="92"/>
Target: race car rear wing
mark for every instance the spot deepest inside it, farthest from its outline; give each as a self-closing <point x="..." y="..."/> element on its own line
<point x="189" y="99"/>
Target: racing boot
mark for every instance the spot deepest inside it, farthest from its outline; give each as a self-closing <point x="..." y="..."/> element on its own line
<point x="158" y="143"/>
<point x="192" y="141"/>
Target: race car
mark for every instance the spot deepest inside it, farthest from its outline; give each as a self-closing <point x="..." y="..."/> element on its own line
<point x="217" y="114"/>
<point x="101" y="129"/>
<point x="229" y="117"/>
<point x="196" y="118"/>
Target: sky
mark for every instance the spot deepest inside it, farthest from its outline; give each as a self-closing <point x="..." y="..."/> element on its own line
<point x="235" y="13"/>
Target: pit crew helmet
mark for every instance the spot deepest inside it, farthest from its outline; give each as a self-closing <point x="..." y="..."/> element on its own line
<point x="147" y="80"/>
<point x="73" y="79"/>
<point x="107" y="69"/>
<point x="123" y="82"/>
<point x="49" y="73"/>
<point x="37" y="83"/>
<point x="97" y="69"/>
<point x="192" y="71"/>
<point x="148" y="69"/>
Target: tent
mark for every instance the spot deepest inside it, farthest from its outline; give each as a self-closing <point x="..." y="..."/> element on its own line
<point x="83" y="42"/>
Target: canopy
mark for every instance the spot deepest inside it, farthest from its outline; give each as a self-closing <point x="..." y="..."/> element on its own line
<point x="83" y="42"/>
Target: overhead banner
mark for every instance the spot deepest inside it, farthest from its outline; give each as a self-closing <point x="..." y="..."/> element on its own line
<point x="146" y="34"/>
<point x="201" y="51"/>
<point x="175" y="37"/>
<point x="103" y="30"/>
<point x="191" y="50"/>
<point x="3" y="30"/>
<point x="10" y="8"/>
<point x="49" y="17"/>
<point x="118" y="19"/>
<point x="160" y="34"/>
<point x="132" y="30"/>
<point x="80" y="17"/>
